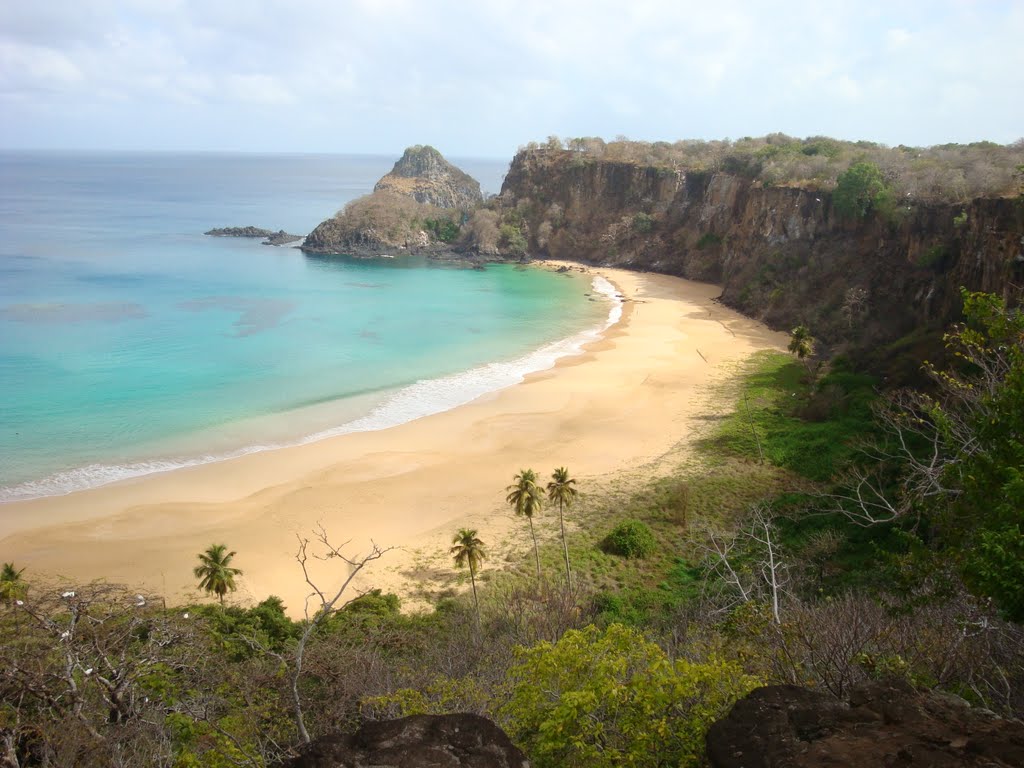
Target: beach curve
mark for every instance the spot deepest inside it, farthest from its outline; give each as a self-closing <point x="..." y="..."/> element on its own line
<point x="627" y="398"/>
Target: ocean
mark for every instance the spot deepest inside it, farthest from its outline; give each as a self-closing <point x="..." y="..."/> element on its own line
<point x="130" y="343"/>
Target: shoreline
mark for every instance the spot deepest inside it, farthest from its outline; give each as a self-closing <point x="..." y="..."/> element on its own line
<point x="392" y="407"/>
<point x="621" y="401"/>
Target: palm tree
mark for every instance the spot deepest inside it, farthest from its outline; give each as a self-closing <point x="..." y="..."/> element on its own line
<point x="801" y="344"/>
<point x="561" y="489"/>
<point x="469" y="550"/>
<point x="525" y="497"/>
<point x="214" y="571"/>
<point x="12" y="586"/>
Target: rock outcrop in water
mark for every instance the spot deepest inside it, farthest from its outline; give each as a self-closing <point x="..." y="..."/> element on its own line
<point x="270" y="237"/>
<point x="418" y="207"/>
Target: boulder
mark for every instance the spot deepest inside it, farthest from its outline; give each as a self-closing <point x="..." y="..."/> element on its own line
<point x="882" y="723"/>
<point x="419" y="741"/>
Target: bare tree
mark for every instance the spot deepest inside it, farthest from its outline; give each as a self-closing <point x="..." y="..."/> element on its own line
<point x="323" y="604"/>
<point x="749" y="561"/>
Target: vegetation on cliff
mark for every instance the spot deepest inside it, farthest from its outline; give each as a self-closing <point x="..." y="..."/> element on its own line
<point x="943" y="173"/>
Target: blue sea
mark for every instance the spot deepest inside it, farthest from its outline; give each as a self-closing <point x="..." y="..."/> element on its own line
<point x="130" y="343"/>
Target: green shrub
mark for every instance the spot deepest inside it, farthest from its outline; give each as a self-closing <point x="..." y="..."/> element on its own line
<point x="511" y="239"/>
<point x="630" y="538"/>
<point x="444" y="230"/>
<point x="861" y="189"/>
<point x="708" y="240"/>
<point x="612" y="698"/>
<point x="960" y="220"/>
<point x="643" y="223"/>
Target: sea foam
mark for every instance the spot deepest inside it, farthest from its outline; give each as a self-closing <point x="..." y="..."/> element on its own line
<point x="423" y="398"/>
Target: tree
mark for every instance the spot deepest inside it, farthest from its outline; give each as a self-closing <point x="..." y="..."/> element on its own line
<point x="12" y="587"/>
<point x="561" y="490"/>
<point x="861" y="189"/>
<point x="524" y="496"/>
<point x="215" y="572"/>
<point x="469" y="550"/>
<point x="326" y="606"/>
<point x="801" y="344"/>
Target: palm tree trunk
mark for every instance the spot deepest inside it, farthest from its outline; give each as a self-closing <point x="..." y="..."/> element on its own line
<point x="565" y="546"/>
<point x="536" y="549"/>
<point x="476" y="600"/>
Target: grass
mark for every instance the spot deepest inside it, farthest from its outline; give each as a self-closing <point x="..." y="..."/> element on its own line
<point x="806" y="431"/>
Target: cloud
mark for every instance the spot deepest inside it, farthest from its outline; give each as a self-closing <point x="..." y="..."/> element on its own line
<point x="484" y="77"/>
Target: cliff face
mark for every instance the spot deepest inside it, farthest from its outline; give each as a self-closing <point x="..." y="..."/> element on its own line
<point x="780" y="254"/>
<point x="423" y="174"/>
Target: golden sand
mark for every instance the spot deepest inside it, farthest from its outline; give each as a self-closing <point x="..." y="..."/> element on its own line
<point x="628" y="399"/>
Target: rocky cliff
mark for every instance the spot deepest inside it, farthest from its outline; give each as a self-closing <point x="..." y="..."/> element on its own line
<point x="781" y="254"/>
<point x="424" y="175"/>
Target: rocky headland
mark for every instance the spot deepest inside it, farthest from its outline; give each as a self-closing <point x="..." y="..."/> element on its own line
<point x="419" y="207"/>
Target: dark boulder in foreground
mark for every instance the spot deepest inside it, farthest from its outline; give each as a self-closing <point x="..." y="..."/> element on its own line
<point x="420" y="741"/>
<point x="883" y="724"/>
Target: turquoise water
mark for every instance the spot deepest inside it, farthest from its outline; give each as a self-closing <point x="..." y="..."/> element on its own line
<point x="130" y="343"/>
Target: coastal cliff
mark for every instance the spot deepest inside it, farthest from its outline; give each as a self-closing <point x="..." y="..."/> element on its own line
<point x="782" y="254"/>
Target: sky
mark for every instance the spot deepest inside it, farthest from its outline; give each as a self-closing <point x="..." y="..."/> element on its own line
<point x="479" y="78"/>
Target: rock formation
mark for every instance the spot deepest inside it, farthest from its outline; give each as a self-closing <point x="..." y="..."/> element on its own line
<point x="420" y="741"/>
<point x="415" y="208"/>
<point x="883" y="724"/>
<point x="270" y="237"/>
<point x="424" y="175"/>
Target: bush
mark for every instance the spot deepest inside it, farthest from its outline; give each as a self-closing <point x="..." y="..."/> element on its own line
<point x="613" y="698"/>
<point x="630" y="538"/>
<point x="708" y="240"/>
<point x="643" y="223"/>
<point x="861" y="189"/>
<point x="512" y="240"/>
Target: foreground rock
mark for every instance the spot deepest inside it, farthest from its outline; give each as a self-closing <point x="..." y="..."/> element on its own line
<point x="883" y="724"/>
<point x="420" y="741"/>
<point x="424" y="175"/>
<point x="271" y="238"/>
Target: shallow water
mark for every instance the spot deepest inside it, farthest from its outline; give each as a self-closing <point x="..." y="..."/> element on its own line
<point x="131" y="343"/>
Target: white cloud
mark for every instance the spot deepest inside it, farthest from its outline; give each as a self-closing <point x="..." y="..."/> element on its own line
<point x="493" y="74"/>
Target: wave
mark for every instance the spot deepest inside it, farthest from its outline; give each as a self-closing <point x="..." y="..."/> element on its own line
<point x="423" y="398"/>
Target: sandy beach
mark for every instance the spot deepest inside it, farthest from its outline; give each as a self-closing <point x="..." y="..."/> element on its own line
<point x="628" y="399"/>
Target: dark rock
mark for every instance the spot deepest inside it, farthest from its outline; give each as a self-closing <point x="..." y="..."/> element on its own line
<point x="240" y="232"/>
<point x="420" y="741"/>
<point x="883" y="724"/>
<point x="281" y="238"/>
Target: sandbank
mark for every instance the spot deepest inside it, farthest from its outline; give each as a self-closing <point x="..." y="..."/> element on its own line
<point x="629" y="398"/>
